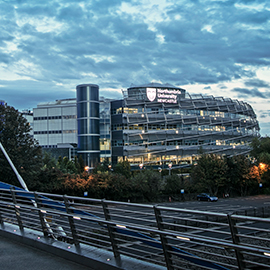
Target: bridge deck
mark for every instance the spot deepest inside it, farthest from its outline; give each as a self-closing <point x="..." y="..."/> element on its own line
<point x="17" y="256"/>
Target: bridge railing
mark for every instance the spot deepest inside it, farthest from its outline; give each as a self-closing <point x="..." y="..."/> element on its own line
<point x="170" y="237"/>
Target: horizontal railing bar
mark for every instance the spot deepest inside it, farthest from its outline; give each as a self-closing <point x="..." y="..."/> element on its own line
<point x="250" y="218"/>
<point x="253" y="237"/>
<point x="191" y="211"/>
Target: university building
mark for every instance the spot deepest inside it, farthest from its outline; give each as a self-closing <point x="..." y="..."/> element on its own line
<point x="153" y="124"/>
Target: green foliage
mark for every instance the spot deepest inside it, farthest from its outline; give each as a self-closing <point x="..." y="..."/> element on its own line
<point x="48" y="180"/>
<point x="22" y="149"/>
<point x="261" y="152"/>
<point x="148" y="184"/>
<point x="261" y="149"/>
<point x="239" y="180"/>
<point x="123" y="168"/>
<point x="209" y="175"/>
<point x="80" y="164"/>
<point x="173" y="185"/>
<point x="48" y="161"/>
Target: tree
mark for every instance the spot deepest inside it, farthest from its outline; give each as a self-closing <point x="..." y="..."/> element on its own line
<point x="209" y="175"/>
<point x="48" y="162"/>
<point x="148" y="184"/>
<point x="261" y="152"/>
<point x="241" y="176"/>
<point x="173" y="184"/>
<point x="261" y="149"/>
<point x="123" y="168"/>
<point x="22" y="149"/>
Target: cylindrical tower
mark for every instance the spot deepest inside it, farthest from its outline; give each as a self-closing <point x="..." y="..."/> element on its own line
<point x="88" y="123"/>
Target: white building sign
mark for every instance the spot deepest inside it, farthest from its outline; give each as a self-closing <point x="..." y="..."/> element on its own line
<point x="163" y="95"/>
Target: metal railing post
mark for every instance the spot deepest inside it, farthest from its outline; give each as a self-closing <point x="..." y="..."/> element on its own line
<point x="72" y="225"/>
<point x="16" y="209"/>
<point x="163" y="239"/>
<point x="111" y="231"/>
<point x="41" y="216"/>
<point x="1" y="222"/>
<point x="236" y="241"/>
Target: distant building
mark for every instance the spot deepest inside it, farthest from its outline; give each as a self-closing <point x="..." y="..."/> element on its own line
<point x="55" y="126"/>
<point x="154" y="124"/>
<point x="160" y="124"/>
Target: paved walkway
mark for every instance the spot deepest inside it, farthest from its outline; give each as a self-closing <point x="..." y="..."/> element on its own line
<point x="16" y="256"/>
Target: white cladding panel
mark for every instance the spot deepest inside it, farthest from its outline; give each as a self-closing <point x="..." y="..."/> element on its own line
<point x="69" y="124"/>
<point x="70" y="138"/>
<point x="40" y="125"/>
<point x="37" y="112"/>
<point x="70" y="110"/>
<point x="42" y="139"/>
<point x="55" y="124"/>
<point x="54" y="111"/>
<point x="54" y="139"/>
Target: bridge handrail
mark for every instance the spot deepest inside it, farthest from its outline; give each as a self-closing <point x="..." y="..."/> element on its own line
<point x="169" y="237"/>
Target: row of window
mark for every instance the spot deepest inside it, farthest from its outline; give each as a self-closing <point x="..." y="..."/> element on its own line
<point x="177" y="142"/>
<point x="55" y="117"/>
<point x="56" y="132"/>
<point x="177" y="127"/>
<point x="180" y="112"/>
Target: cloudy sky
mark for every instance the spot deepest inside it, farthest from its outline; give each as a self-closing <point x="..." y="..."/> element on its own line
<point x="213" y="47"/>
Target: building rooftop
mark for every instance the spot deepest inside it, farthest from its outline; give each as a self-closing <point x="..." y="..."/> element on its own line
<point x="66" y="101"/>
<point x="155" y="85"/>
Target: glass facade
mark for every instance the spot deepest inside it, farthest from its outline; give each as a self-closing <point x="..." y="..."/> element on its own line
<point x="161" y="124"/>
<point x="88" y="123"/>
<point x="105" y="124"/>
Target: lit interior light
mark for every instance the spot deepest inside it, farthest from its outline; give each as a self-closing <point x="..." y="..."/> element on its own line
<point x="266" y="254"/>
<point x="17" y="206"/>
<point x="69" y="247"/>
<point x="177" y="146"/>
<point x="108" y="259"/>
<point x="78" y="218"/>
<point x="14" y="231"/>
<point x="183" y="238"/>
<point x="121" y="226"/>
<point x="176" y="131"/>
<point x="43" y="211"/>
<point x="142" y="115"/>
<point x="38" y="238"/>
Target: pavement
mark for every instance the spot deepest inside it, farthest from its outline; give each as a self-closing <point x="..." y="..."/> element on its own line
<point x="17" y="256"/>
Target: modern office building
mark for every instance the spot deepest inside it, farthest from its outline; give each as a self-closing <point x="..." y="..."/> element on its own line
<point x="88" y="123"/>
<point x="61" y="125"/>
<point x="55" y="126"/>
<point x="160" y="124"/>
<point x="154" y="124"/>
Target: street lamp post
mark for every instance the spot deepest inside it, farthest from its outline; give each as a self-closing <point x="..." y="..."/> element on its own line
<point x="170" y="167"/>
<point x="87" y="168"/>
<point x="160" y="170"/>
<point x="110" y="167"/>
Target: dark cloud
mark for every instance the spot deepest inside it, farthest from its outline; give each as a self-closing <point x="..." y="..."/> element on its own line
<point x="257" y="83"/>
<point x="114" y="43"/>
<point x="244" y="92"/>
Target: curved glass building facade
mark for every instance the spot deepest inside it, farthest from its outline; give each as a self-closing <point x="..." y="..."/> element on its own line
<point x="88" y="123"/>
<point x="158" y="124"/>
